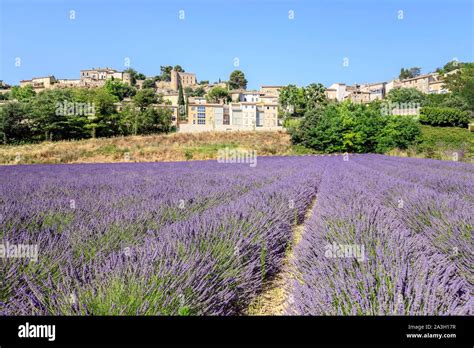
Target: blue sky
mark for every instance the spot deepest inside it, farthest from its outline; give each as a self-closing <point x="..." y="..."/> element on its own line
<point x="272" y="48"/>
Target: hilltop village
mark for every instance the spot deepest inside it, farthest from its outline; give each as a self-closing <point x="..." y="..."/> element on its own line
<point x="196" y="108"/>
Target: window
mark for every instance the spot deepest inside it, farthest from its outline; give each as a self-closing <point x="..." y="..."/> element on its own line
<point x="226" y="119"/>
<point x="201" y="116"/>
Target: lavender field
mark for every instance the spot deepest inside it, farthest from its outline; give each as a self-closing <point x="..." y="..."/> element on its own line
<point x="381" y="235"/>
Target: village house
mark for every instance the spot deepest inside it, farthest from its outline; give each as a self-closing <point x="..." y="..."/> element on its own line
<point x="359" y="97"/>
<point x="432" y="83"/>
<point x="98" y="77"/>
<point x="171" y="97"/>
<point x="421" y="83"/>
<point x="356" y="93"/>
<point x="249" y="97"/>
<point x="437" y="87"/>
<point x="39" y="83"/>
<point x="376" y="90"/>
<point x="88" y="78"/>
<point x="197" y="100"/>
<point x="247" y="112"/>
<point x="337" y="91"/>
<point x="208" y="115"/>
<point x="269" y="99"/>
<point x="67" y="83"/>
<point x="271" y="90"/>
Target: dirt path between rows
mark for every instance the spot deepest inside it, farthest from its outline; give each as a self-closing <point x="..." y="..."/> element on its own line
<point x="274" y="298"/>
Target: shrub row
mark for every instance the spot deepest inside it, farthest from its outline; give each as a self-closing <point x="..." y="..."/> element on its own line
<point x="444" y="116"/>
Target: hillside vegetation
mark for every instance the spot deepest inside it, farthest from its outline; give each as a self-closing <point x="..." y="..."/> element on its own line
<point x="436" y="143"/>
<point x="440" y="143"/>
<point x="171" y="147"/>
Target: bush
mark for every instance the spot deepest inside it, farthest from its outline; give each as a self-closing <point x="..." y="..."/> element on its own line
<point x="355" y="128"/>
<point x="292" y="124"/>
<point x="444" y="117"/>
<point x="399" y="132"/>
<point x="446" y="100"/>
<point x="406" y="95"/>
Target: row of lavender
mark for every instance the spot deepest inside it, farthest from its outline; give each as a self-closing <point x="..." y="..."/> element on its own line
<point x="182" y="238"/>
<point x="388" y="236"/>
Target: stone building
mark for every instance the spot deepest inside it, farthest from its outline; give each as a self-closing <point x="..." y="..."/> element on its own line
<point x="97" y="77"/>
<point x="39" y="83"/>
<point x="186" y="79"/>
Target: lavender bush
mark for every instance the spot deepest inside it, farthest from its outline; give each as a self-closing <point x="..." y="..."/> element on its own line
<point x="416" y="235"/>
<point x="386" y="236"/>
<point x="183" y="238"/>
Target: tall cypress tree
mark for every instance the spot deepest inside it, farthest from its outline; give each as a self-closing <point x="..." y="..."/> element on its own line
<point x="181" y="102"/>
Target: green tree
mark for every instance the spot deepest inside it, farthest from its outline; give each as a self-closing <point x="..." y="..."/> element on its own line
<point x="455" y="101"/>
<point x="218" y="94"/>
<point x="398" y="132"/>
<point x="119" y="89"/>
<point x="15" y="122"/>
<point x="148" y="83"/>
<point x="144" y="98"/>
<point x="129" y="120"/>
<point x="181" y="101"/>
<point x="62" y="114"/>
<point x="188" y="91"/>
<point x="154" y="120"/>
<point x="23" y="93"/>
<point x="405" y="95"/>
<point x="292" y="100"/>
<point x="409" y="73"/>
<point x="315" y="96"/>
<point x="348" y="127"/>
<point x="199" y="92"/>
<point x="105" y="120"/>
<point x="166" y="72"/>
<point x="178" y="68"/>
<point x="450" y="66"/>
<point x="237" y="80"/>
<point x="461" y="84"/>
<point x="147" y="121"/>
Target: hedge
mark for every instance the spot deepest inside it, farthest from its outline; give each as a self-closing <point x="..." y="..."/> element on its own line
<point x="444" y="116"/>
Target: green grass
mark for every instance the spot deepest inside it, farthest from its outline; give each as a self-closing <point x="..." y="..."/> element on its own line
<point x="441" y="142"/>
<point x="447" y="136"/>
<point x="210" y="150"/>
